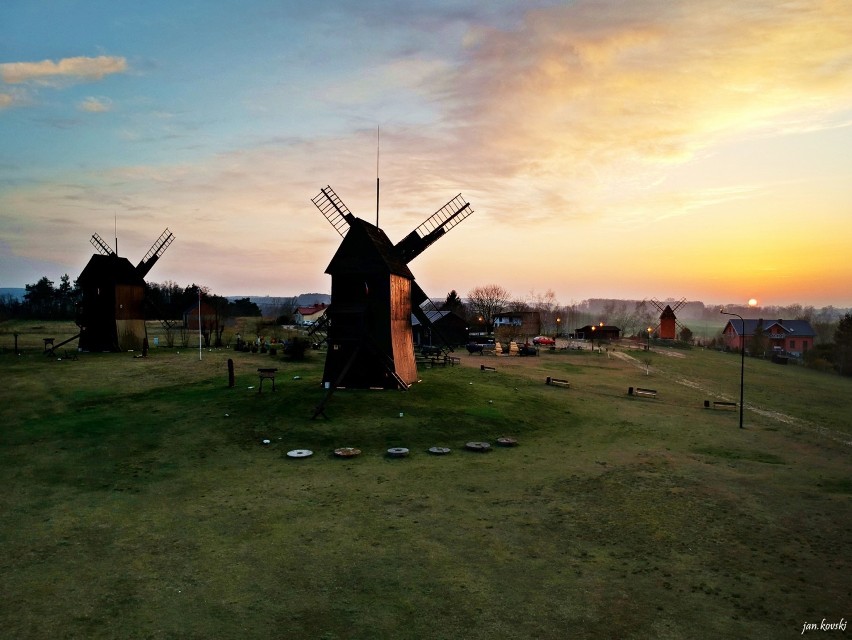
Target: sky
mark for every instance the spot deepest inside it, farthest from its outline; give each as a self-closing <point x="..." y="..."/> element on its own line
<point x="609" y="149"/>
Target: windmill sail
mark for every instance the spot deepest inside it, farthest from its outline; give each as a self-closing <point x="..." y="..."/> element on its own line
<point x="436" y="225"/>
<point x="334" y="210"/>
<point x="157" y="249"/>
<point x="102" y="247"/>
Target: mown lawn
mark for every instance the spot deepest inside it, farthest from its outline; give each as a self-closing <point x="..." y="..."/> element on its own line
<point x="140" y="501"/>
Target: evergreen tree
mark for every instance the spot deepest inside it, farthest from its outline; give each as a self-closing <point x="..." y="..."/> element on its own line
<point x="40" y="298"/>
<point x="453" y="303"/>
<point x="843" y="342"/>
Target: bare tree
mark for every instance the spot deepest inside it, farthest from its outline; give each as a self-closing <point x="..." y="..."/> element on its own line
<point x="546" y="304"/>
<point x="487" y="302"/>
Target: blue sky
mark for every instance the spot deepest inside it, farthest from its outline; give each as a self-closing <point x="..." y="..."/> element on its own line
<point x="609" y="149"/>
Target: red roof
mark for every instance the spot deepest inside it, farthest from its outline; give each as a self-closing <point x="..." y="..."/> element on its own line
<point x="308" y="311"/>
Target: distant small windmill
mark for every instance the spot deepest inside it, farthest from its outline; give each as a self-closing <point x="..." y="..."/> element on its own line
<point x="373" y="295"/>
<point x="111" y="314"/>
<point x="667" y="329"/>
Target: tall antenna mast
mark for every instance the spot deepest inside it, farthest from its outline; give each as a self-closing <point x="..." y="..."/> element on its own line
<point x="377" y="175"/>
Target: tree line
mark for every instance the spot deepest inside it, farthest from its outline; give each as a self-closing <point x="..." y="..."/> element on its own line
<point x="169" y="301"/>
<point x="44" y="300"/>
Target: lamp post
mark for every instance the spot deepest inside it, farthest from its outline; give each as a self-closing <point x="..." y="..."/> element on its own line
<point x="742" y="359"/>
<point x="650" y="329"/>
<point x="593" y="338"/>
<point x="557" y="326"/>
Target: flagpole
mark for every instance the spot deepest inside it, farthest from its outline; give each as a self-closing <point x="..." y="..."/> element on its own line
<point x="377" y="175"/>
<point x="199" y="324"/>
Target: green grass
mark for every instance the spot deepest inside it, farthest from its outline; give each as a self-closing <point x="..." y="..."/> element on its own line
<point x="140" y="502"/>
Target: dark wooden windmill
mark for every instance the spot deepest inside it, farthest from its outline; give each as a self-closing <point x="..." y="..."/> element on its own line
<point x="111" y="315"/>
<point x="667" y="329"/>
<point x="373" y="295"/>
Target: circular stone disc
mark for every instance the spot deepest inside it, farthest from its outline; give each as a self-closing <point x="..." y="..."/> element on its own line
<point x="439" y="451"/>
<point x="397" y="452"/>
<point x="347" y="452"/>
<point x="507" y="441"/>
<point x="477" y="446"/>
<point x="300" y="453"/>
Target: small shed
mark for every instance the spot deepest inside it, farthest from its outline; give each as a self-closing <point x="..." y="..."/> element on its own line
<point x="209" y="318"/>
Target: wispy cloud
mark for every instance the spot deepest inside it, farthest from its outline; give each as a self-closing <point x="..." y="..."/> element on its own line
<point x="95" y="105"/>
<point x="653" y="81"/>
<point x="77" y="69"/>
<point x="14" y="97"/>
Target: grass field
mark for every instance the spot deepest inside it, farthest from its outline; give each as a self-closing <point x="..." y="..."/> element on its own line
<point x="140" y="501"/>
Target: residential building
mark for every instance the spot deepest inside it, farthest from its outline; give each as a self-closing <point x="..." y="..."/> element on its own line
<point x="524" y="323"/>
<point x="793" y="337"/>
<point x="308" y="315"/>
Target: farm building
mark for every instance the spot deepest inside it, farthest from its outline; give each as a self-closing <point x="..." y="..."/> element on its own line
<point x="597" y="332"/>
<point x="793" y="337"/>
<point x="451" y="327"/>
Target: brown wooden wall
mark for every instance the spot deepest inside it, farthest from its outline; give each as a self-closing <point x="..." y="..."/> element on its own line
<point x="668" y="328"/>
<point x="402" y="342"/>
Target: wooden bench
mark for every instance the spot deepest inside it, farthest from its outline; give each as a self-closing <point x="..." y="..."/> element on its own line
<point x="482" y="367"/>
<point x="718" y="404"/>
<point x="452" y="360"/>
<point x="266" y="374"/>
<point x="557" y="382"/>
<point x="644" y="393"/>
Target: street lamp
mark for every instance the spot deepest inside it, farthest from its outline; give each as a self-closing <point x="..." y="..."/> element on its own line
<point x="558" y="320"/>
<point x="742" y="359"/>
<point x="593" y="338"/>
<point x="650" y="329"/>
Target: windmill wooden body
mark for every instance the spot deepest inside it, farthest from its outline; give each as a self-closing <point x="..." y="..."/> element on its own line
<point x="111" y="315"/>
<point x="667" y="329"/>
<point x="373" y="296"/>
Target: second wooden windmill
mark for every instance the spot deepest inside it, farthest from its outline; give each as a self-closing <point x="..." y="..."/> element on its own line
<point x="111" y="315"/>
<point x="667" y="329"/>
<point x="373" y="295"/>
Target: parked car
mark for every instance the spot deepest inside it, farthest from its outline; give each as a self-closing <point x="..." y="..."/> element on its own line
<point x="543" y="340"/>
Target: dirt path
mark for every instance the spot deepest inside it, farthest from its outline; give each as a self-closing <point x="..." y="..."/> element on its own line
<point x="836" y="436"/>
<point x="530" y="362"/>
